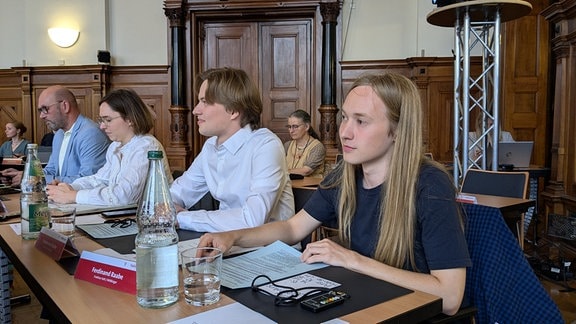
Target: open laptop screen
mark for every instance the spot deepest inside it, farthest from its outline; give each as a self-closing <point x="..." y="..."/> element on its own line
<point x="44" y="153"/>
<point x="515" y="153"/>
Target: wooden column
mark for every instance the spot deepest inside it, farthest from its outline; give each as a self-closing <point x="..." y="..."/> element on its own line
<point x="178" y="149"/>
<point x="328" y="108"/>
<point x="560" y="195"/>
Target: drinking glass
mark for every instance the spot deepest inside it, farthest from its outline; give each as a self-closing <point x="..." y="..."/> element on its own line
<point x="201" y="274"/>
<point x="63" y="219"/>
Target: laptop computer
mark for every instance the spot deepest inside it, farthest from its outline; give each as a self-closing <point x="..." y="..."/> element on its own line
<point x="44" y="153"/>
<point x="515" y="153"/>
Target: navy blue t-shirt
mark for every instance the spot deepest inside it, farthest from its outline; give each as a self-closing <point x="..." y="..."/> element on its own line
<point x="439" y="238"/>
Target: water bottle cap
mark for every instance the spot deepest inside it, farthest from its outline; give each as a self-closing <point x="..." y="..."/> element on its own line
<point x="155" y="154"/>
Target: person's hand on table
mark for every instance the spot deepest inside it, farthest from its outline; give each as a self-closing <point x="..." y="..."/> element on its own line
<point x="61" y="193"/>
<point x="178" y="209"/>
<point x="222" y="241"/>
<point x="54" y="181"/>
<point x="329" y="252"/>
<point x="14" y="175"/>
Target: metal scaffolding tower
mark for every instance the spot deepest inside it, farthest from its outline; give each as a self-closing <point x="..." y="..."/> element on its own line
<point x="476" y="32"/>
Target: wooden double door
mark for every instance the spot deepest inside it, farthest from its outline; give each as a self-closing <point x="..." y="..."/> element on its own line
<point x="278" y="56"/>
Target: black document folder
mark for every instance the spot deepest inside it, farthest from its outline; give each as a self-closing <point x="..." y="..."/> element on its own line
<point x="364" y="292"/>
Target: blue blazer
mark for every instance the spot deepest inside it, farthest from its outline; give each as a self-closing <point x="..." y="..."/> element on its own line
<point x="85" y="155"/>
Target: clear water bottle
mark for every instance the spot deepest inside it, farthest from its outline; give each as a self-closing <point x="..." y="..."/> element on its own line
<point x="34" y="210"/>
<point x="157" y="240"/>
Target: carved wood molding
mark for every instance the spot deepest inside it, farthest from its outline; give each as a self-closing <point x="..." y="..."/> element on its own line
<point x="198" y="5"/>
<point x="176" y="16"/>
<point x="561" y="191"/>
<point x="330" y="11"/>
<point x="179" y="126"/>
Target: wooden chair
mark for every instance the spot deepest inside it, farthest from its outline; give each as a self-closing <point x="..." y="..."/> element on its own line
<point x="301" y="196"/>
<point x="499" y="183"/>
<point x="496" y="183"/>
<point x="323" y="232"/>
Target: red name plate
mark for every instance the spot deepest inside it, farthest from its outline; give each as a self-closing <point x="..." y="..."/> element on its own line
<point x="466" y="199"/>
<point x="55" y="244"/>
<point x="107" y="271"/>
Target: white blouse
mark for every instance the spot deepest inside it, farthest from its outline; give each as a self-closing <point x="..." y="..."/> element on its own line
<point x="122" y="178"/>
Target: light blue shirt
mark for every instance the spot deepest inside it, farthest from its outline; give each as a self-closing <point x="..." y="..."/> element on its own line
<point x="121" y="180"/>
<point x="85" y="154"/>
<point x="247" y="174"/>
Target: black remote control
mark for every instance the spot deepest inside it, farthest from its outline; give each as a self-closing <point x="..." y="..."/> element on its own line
<point x="324" y="301"/>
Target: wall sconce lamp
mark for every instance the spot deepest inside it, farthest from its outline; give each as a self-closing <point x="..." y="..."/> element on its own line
<point x="63" y="37"/>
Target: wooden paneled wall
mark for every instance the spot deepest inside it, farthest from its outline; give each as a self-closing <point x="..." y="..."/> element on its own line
<point x="525" y="80"/>
<point x="20" y="87"/>
<point x="560" y="195"/>
<point x="435" y="79"/>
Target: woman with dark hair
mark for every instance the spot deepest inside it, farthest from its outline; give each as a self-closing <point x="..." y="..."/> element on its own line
<point x="16" y="144"/>
<point x="304" y="153"/>
<point x="126" y="119"/>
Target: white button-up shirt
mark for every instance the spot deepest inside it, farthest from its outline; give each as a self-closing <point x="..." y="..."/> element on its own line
<point x="247" y="174"/>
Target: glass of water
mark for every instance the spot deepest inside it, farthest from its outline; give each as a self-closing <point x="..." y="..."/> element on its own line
<point x="201" y="274"/>
<point x="63" y="219"/>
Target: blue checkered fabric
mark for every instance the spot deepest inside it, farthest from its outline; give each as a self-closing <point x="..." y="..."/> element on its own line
<point x="501" y="283"/>
<point x="6" y="276"/>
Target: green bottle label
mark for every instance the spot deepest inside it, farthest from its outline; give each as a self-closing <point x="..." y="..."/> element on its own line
<point x="36" y="169"/>
<point x="39" y="216"/>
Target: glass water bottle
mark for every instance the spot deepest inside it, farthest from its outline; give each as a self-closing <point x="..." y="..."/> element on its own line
<point x="157" y="240"/>
<point x="34" y="210"/>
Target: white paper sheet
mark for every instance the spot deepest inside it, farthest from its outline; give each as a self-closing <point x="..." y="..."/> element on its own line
<point x="240" y="313"/>
<point x="277" y="260"/>
<point x="84" y="209"/>
<point x="298" y="283"/>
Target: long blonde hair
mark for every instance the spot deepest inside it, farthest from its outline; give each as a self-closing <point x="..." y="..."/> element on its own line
<point x="398" y="199"/>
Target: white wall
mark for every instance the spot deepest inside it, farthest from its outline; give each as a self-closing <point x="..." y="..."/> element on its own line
<point x="372" y="30"/>
<point x="133" y="36"/>
<point x="24" y="31"/>
<point x="138" y="36"/>
<point x="392" y="29"/>
<point x="12" y="33"/>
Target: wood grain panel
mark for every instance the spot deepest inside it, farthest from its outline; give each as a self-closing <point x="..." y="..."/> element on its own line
<point x="525" y="80"/>
<point x="561" y="190"/>
<point x="233" y="45"/>
<point x="151" y="84"/>
<point x="285" y="72"/>
<point x="11" y="107"/>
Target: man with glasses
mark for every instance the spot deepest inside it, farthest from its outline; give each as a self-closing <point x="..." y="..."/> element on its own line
<point x="79" y="146"/>
<point x="241" y="165"/>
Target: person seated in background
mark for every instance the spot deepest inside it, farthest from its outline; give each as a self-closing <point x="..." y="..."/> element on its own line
<point x="396" y="211"/>
<point x="16" y="144"/>
<point x="79" y="146"/>
<point x="476" y="149"/>
<point x="47" y="139"/>
<point x="304" y="153"/>
<point x="241" y="165"/>
<point x="127" y="121"/>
